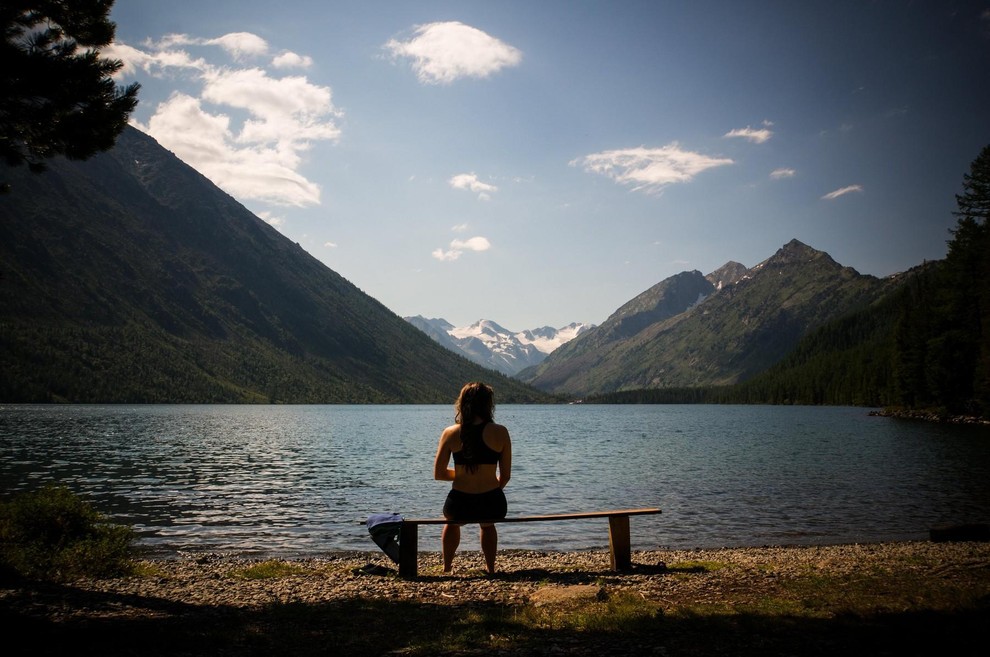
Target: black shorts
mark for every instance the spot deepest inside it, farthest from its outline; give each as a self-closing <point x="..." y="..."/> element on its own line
<point x="472" y="507"/>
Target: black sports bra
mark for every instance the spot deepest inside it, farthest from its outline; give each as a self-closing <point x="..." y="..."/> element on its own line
<point x="473" y="450"/>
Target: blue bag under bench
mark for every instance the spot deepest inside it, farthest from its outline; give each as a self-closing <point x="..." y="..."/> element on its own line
<point x="618" y="534"/>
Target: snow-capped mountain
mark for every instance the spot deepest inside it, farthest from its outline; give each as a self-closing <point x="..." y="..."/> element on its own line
<point x="494" y="346"/>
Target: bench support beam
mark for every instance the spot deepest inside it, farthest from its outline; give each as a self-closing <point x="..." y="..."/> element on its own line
<point x="618" y="542"/>
<point x="408" y="550"/>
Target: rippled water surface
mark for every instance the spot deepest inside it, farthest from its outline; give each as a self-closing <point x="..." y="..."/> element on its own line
<point x="301" y="480"/>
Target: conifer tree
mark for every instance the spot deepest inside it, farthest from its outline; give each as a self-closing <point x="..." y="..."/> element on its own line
<point x="57" y="95"/>
<point x="968" y="267"/>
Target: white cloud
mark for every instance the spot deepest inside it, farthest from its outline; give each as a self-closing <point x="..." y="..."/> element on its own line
<point x="842" y="192"/>
<point x="755" y="135"/>
<point x="649" y="169"/>
<point x="459" y="228"/>
<point x="782" y="172"/>
<point x="292" y="60"/>
<point x="470" y="182"/>
<point x="240" y="45"/>
<point x="244" y="129"/>
<point x="270" y="219"/>
<point x="330" y="245"/>
<point x="458" y="247"/>
<point x="447" y="51"/>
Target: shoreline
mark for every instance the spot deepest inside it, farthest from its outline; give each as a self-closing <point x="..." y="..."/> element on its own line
<point x="931" y="416"/>
<point x="210" y="603"/>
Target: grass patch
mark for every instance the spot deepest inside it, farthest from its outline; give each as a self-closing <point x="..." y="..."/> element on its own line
<point x="875" y="592"/>
<point x="271" y="569"/>
<point x="622" y="612"/>
<point x="147" y="569"/>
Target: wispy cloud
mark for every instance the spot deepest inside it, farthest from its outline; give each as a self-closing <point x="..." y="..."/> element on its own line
<point x="755" y="135"/>
<point x="470" y="182"/>
<point x="258" y="157"/>
<point x="458" y="247"/>
<point x="649" y="169"/>
<point x="447" y="51"/>
<point x="783" y="172"/>
<point x="842" y="192"/>
<point x="240" y="45"/>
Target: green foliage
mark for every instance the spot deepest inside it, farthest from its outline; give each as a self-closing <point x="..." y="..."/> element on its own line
<point x="57" y="94"/>
<point x="52" y="534"/>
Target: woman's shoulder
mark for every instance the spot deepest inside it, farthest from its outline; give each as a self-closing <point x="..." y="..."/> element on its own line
<point x="496" y="431"/>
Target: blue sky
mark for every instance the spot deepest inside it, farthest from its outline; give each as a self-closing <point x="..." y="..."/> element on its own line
<point x="540" y="163"/>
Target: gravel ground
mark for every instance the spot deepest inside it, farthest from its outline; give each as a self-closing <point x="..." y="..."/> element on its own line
<point x="186" y="591"/>
<point x="742" y="575"/>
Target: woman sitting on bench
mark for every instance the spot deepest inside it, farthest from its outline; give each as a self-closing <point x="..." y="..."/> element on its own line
<point x="482" y="453"/>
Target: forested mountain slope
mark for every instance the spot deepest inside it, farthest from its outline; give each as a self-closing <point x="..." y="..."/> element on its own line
<point x="130" y="277"/>
<point x="692" y="334"/>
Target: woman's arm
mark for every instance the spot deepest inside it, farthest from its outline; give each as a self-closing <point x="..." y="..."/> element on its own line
<point x="505" y="461"/>
<point x="440" y="470"/>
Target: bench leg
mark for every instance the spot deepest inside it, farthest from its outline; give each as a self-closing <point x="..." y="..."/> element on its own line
<point x="618" y="542"/>
<point x="408" y="550"/>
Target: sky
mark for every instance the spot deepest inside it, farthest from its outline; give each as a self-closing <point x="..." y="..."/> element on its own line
<point x="542" y="163"/>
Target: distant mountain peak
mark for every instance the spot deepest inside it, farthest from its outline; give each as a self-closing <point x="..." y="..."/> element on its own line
<point x="488" y="343"/>
<point x="482" y="326"/>
<point x="728" y="274"/>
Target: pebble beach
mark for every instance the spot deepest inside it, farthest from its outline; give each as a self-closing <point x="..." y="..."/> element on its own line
<point x="217" y="591"/>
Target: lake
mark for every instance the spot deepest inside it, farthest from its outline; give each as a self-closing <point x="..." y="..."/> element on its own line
<point x="296" y="481"/>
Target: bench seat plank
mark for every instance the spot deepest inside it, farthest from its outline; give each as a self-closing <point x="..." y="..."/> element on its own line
<point x="544" y="518"/>
<point x="618" y="534"/>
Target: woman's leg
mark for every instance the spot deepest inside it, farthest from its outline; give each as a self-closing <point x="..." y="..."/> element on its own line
<point x="450" y="538"/>
<point x="489" y="545"/>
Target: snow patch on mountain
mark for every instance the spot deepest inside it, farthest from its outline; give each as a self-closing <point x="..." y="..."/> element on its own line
<point x="487" y="343"/>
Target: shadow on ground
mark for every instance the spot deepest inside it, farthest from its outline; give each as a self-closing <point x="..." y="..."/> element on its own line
<point x="380" y="627"/>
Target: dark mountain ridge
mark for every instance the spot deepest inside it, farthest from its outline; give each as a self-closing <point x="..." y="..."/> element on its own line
<point x="130" y="277"/>
<point x="692" y="330"/>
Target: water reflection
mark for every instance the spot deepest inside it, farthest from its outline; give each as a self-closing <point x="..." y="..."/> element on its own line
<point x="300" y="480"/>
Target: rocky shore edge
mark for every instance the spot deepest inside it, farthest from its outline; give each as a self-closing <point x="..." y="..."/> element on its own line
<point x="930" y="416"/>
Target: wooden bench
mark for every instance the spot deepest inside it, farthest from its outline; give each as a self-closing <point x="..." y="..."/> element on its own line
<point x="618" y="534"/>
